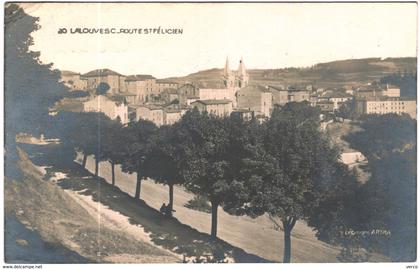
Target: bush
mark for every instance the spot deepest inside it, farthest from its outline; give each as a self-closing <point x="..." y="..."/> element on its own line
<point x="199" y="203"/>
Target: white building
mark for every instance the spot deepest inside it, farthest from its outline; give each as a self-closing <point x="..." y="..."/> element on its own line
<point x="386" y="105"/>
<point x="352" y="157"/>
<point x="115" y="107"/>
<point x="391" y="91"/>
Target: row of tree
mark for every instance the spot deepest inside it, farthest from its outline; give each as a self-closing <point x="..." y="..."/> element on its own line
<point x="283" y="167"/>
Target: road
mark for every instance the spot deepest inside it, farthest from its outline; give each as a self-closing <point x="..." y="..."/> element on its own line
<point x="256" y="236"/>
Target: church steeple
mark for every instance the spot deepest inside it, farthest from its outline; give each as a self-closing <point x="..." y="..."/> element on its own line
<point x="228" y="76"/>
<point x="227" y="70"/>
<point x="243" y="77"/>
<point x="241" y="68"/>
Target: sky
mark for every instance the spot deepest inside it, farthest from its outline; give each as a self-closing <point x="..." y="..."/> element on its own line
<point x="266" y="35"/>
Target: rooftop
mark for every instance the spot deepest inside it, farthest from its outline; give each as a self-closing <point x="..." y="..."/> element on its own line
<point x="336" y="94"/>
<point x="68" y="73"/>
<point x="213" y="102"/>
<point x="278" y="88"/>
<point x="165" y="81"/>
<point x="386" y="98"/>
<point x="149" y="106"/>
<point x="101" y="73"/>
<point x="140" y="77"/>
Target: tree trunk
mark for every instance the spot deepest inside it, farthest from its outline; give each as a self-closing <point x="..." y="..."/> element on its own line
<point x="214" y="206"/>
<point x="113" y="173"/>
<point x="287" y="246"/>
<point x="288" y="225"/>
<point x="96" y="166"/>
<point x="171" y="197"/>
<point x="138" y="186"/>
<point x="85" y="156"/>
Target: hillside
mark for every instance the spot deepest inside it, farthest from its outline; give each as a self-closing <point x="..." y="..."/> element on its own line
<point x="330" y="74"/>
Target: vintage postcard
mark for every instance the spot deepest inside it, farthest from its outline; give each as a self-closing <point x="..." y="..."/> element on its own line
<point x="140" y="133"/>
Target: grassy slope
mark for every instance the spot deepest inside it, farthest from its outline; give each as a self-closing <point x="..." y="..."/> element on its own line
<point x="50" y="211"/>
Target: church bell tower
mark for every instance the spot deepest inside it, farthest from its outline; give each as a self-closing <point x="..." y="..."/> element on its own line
<point x="228" y="76"/>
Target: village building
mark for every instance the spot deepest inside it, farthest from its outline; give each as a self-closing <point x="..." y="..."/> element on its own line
<point x="244" y="114"/>
<point x="129" y="97"/>
<point x="350" y="157"/>
<point x="298" y="94"/>
<point x="326" y="106"/>
<point x="218" y="94"/>
<point x="141" y="86"/>
<point x="163" y="84"/>
<point x="171" y="116"/>
<point x="391" y="91"/>
<point x="187" y="94"/>
<point x="338" y="98"/>
<point x="255" y="98"/>
<point x="115" y="107"/>
<point x="151" y="113"/>
<point x="385" y="105"/>
<point x="220" y="108"/>
<point x="377" y="90"/>
<point x="279" y="94"/>
<point x="169" y="96"/>
<point x="147" y="88"/>
<point x="283" y="95"/>
<point x="73" y="80"/>
<point x="114" y="80"/>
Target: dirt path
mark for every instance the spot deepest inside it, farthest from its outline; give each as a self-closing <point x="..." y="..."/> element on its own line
<point x="256" y="236"/>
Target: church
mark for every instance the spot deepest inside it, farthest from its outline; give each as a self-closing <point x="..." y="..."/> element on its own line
<point x="238" y="79"/>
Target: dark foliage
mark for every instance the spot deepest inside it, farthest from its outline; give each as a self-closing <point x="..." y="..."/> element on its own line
<point x="406" y="81"/>
<point x="102" y="88"/>
<point x="31" y="87"/>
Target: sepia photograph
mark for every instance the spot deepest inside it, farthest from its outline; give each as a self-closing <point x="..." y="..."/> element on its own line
<point x="209" y="132"/>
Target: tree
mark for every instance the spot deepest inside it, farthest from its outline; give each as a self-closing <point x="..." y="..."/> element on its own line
<point x="347" y="110"/>
<point x="102" y="88"/>
<point x="112" y="144"/>
<point x="204" y="170"/>
<point x="166" y="159"/>
<point x="82" y="132"/>
<point x="31" y="87"/>
<point x="138" y="144"/>
<point x="340" y="211"/>
<point x="407" y="82"/>
<point x="382" y="135"/>
<point x="213" y="151"/>
<point x="389" y="196"/>
<point x="290" y="170"/>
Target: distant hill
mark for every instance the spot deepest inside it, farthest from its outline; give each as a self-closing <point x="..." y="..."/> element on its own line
<point x="330" y="74"/>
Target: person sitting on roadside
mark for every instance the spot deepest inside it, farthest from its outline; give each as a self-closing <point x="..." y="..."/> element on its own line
<point x="163" y="209"/>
